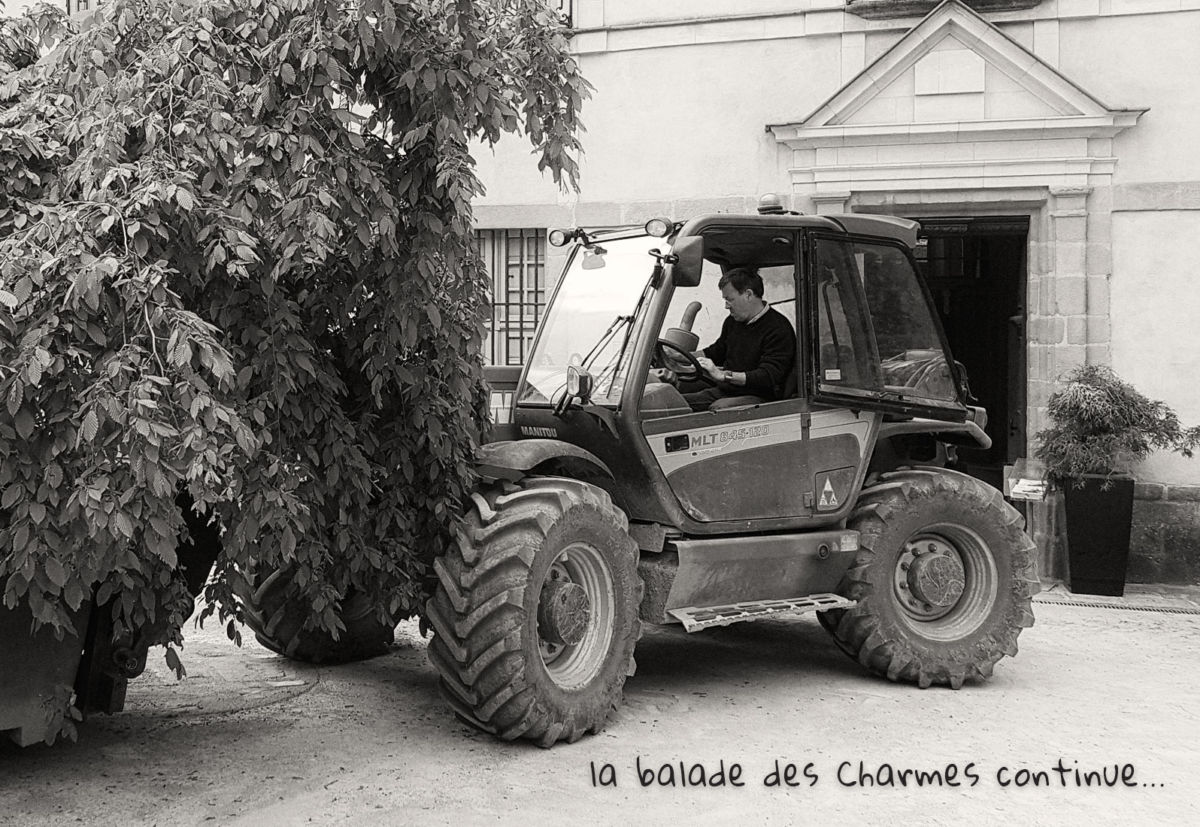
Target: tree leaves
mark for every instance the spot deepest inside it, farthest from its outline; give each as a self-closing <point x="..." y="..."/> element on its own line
<point x="24" y="423"/>
<point x="236" y="261"/>
<point x="56" y="572"/>
<point x="89" y="426"/>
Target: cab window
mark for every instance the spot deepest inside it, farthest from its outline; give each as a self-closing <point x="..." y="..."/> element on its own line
<point x="771" y="252"/>
<point x="845" y="353"/>
<point x="877" y="330"/>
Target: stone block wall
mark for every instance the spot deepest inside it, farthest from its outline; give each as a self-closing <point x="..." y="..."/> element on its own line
<point x="1165" y="541"/>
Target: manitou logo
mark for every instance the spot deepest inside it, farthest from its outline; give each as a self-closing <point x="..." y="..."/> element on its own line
<point x="530" y="430"/>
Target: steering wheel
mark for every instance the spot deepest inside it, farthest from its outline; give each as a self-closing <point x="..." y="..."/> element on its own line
<point x="670" y="355"/>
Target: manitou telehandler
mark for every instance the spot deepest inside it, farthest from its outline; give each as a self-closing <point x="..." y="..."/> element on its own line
<point x="608" y="502"/>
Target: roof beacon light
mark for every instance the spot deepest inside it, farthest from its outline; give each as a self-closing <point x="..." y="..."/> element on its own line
<point x="658" y="227"/>
<point x="770" y="204"/>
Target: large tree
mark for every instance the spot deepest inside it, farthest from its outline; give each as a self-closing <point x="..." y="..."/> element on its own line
<point x="236" y="260"/>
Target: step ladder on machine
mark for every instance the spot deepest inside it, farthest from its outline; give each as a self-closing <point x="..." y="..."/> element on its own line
<point x="695" y="618"/>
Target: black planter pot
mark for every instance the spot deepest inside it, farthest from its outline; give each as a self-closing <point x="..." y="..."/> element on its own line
<point x="1098" y="524"/>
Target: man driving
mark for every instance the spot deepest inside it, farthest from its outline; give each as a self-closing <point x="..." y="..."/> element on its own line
<point x="751" y="359"/>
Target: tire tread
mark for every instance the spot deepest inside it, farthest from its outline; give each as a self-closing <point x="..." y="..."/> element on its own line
<point x="476" y="611"/>
<point x="860" y="632"/>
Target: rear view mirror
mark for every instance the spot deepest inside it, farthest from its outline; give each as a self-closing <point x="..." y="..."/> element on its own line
<point x="689" y="261"/>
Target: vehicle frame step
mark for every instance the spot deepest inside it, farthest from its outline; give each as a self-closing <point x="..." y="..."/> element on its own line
<point x="695" y="618"/>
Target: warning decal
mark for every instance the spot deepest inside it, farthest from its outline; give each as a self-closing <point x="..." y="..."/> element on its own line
<point x="832" y="487"/>
<point x="829" y="500"/>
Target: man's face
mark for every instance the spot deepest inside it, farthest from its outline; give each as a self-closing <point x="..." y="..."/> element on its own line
<point x="742" y="306"/>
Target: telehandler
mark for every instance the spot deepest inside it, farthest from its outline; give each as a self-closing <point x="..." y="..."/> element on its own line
<point x="608" y="503"/>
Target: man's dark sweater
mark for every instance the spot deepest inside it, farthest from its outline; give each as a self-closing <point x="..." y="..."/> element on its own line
<point x="763" y="349"/>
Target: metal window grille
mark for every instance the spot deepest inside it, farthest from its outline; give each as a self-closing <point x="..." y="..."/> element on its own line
<point x="516" y="261"/>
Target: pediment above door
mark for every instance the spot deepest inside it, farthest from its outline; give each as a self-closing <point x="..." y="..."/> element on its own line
<point x="958" y="103"/>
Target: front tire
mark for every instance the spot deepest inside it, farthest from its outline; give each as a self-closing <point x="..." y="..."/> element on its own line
<point x="944" y="579"/>
<point x="535" y="615"/>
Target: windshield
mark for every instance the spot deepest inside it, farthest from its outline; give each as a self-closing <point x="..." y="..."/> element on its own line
<point x="589" y="322"/>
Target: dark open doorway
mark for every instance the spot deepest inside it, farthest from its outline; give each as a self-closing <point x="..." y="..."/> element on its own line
<point x="976" y="269"/>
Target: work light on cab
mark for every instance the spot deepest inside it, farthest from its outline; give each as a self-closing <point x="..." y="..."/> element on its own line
<point x="579" y="383"/>
<point x="659" y="227"/>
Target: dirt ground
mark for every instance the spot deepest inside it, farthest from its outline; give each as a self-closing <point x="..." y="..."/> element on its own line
<point x="250" y="738"/>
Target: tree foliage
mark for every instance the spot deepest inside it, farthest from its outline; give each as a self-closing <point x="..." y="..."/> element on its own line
<point x="236" y="258"/>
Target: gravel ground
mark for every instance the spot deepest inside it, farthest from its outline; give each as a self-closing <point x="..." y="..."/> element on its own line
<point x="250" y="738"/>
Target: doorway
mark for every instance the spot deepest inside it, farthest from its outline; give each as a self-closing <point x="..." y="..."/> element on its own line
<point x="976" y="271"/>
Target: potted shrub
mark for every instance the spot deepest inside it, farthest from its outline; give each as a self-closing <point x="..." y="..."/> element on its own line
<point x="1103" y="426"/>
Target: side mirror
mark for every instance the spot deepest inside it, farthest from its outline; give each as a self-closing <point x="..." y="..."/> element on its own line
<point x="689" y="261"/>
<point x="579" y="384"/>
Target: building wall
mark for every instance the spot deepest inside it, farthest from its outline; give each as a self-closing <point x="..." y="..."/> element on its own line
<point x="690" y="98"/>
<point x="1155" y="306"/>
<point x="1143" y="61"/>
<point x="677" y="125"/>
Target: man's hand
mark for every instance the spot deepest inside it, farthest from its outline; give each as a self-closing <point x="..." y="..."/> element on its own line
<point x="717" y="374"/>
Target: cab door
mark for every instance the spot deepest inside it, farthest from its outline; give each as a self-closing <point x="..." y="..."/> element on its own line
<point x="746" y="463"/>
<point x="878" y="345"/>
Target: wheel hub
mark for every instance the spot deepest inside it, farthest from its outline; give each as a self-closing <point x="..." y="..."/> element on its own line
<point x="930" y="578"/>
<point x="563" y="612"/>
<point x="936" y="579"/>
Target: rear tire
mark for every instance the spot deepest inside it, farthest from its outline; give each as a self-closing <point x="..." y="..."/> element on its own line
<point x="535" y="615"/>
<point x="276" y="614"/>
<point x="943" y="579"/>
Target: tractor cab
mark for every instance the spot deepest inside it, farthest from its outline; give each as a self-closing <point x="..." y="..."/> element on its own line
<point x="634" y="307"/>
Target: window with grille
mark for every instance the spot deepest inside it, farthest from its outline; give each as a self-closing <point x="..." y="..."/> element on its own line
<point x="516" y="261"/>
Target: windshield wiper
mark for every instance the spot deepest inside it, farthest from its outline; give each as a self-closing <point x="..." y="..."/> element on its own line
<point x="586" y="362"/>
<point x="615" y="363"/>
<point x="598" y="348"/>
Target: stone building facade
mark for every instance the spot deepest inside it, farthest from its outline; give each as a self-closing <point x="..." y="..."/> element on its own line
<point x="1046" y="147"/>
